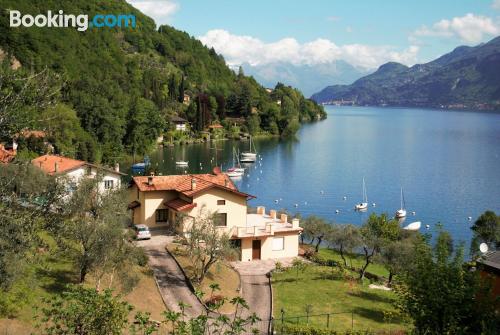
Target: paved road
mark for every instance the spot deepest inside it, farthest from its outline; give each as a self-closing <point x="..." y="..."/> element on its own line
<point x="170" y="279"/>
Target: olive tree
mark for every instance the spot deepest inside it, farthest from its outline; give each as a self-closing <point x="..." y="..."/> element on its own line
<point x="206" y="243"/>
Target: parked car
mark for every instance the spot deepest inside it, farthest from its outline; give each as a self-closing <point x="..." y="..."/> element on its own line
<point x="142" y="232"/>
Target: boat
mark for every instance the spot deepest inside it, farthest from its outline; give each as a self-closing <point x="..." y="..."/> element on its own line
<point x="236" y="167"/>
<point x="413" y="226"/>
<point x="141" y="166"/>
<point x="250" y="155"/>
<point x="234" y="174"/>
<point x="401" y="213"/>
<point x="182" y="163"/>
<point x="362" y="206"/>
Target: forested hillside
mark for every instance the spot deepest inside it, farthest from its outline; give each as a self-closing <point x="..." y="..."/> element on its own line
<point x="118" y="87"/>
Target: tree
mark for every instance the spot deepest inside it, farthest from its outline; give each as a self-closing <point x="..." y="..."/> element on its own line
<point x="377" y="232"/>
<point x="396" y="256"/>
<point x="346" y="238"/>
<point x="85" y="311"/>
<point x="316" y="228"/>
<point x="93" y="233"/>
<point x="28" y="198"/>
<point x="442" y="295"/>
<point x="486" y="229"/>
<point x="206" y="244"/>
<point x="22" y="96"/>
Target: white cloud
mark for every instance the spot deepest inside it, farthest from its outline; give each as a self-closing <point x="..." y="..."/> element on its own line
<point x="160" y="10"/>
<point x="247" y="49"/>
<point x="495" y="4"/>
<point x="470" y="28"/>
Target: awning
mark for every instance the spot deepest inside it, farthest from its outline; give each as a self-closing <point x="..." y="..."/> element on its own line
<point x="179" y="205"/>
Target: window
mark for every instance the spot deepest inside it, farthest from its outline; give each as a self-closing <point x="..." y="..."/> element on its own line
<point x="221" y="219"/>
<point x="108" y="184"/>
<point x="221" y="202"/>
<point x="278" y="243"/>
<point x="161" y="215"/>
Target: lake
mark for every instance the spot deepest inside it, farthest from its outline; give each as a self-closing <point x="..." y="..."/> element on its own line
<point x="447" y="162"/>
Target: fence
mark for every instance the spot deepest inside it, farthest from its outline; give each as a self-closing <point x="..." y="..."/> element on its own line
<point x="327" y="320"/>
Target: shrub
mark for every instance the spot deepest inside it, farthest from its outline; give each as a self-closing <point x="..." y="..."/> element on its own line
<point x="309" y="330"/>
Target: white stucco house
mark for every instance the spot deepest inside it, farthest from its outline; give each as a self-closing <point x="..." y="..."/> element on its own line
<point x="75" y="170"/>
<point x="176" y="201"/>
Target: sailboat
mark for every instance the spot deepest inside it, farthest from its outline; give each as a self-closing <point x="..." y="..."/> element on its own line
<point x="249" y="156"/>
<point x="401" y="213"/>
<point x="364" y="204"/>
<point x="236" y="168"/>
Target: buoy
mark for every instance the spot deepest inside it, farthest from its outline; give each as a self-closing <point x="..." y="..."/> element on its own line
<point x="345" y="198"/>
<point x="427" y="226"/>
<point x="337" y="211"/>
<point x="296" y="205"/>
<point x="276" y="201"/>
<point x="413" y="213"/>
<point x="322" y="192"/>
<point x="374" y="205"/>
<point x="469" y="218"/>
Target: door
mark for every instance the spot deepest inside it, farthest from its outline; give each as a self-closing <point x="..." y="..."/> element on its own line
<point x="256" y="249"/>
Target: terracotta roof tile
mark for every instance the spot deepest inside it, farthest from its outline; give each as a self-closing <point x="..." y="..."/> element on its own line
<point x="182" y="183"/>
<point x="48" y="163"/>
<point x="6" y="155"/>
<point x="64" y="164"/>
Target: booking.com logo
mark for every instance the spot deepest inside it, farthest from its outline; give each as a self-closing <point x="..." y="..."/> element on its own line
<point x="62" y="20"/>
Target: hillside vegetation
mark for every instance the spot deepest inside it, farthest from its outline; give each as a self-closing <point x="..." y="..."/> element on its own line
<point x="118" y="87"/>
<point x="467" y="77"/>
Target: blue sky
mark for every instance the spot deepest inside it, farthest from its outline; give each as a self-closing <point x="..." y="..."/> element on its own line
<point x="364" y="33"/>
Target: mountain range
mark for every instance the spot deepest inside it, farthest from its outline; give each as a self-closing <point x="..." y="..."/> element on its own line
<point x="308" y="78"/>
<point x="467" y="77"/>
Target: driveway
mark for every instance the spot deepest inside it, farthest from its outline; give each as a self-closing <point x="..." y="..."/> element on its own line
<point x="256" y="288"/>
<point x="169" y="277"/>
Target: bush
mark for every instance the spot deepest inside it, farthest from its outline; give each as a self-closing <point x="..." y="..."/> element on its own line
<point x="214" y="300"/>
<point x="140" y="257"/>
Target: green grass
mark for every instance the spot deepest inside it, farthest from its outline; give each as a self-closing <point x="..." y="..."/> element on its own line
<point x="333" y="293"/>
<point x="356" y="261"/>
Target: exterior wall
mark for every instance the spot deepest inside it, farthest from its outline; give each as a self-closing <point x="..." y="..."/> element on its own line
<point x="83" y="172"/>
<point x="246" y="249"/>
<point x="235" y="207"/>
<point x="150" y="202"/>
<point x="180" y="126"/>
<point x="291" y="247"/>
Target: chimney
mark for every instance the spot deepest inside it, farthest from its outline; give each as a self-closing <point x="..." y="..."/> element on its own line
<point x="295" y="223"/>
<point x="117" y="167"/>
<point x="261" y="210"/>
<point x="193" y="184"/>
<point x="56" y="167"/>
<point x="216" y="171"/>
<point x="150" y="180"/>
<point x="272" y="214"/>
<point x="284" y="218"/>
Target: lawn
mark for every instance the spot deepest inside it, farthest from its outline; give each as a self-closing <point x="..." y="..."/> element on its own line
<point x="49" y="275"/>
<point x="219" y="273"/>
<point x="356" y="261"/>
<point x="319" y="291"/>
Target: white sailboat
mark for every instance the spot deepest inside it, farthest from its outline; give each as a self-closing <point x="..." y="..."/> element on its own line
<point x="364" y="204"/>
<point x="401" y="213"/>
<point x="249" y="156"/>
<point x="236" y="167"/>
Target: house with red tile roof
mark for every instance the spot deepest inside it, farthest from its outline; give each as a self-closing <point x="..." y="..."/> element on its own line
<point x="176" y="201"/>
<point x="75" y="170"/>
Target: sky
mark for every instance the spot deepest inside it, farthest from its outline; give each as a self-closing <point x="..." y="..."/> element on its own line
<point x="364" y="33"/>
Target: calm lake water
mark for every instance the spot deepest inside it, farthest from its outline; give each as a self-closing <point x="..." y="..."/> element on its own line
<point x="448" y="163"/>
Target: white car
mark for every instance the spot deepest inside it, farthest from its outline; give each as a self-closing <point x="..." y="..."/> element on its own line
<point x="142" y="232"/>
